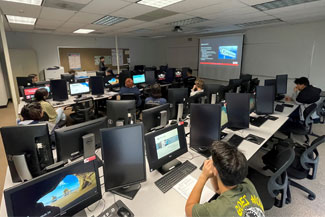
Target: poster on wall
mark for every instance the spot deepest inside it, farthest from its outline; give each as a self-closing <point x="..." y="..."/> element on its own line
<point x="120" y="57"/>
<point x="108" y="60"/>
<point x="74" y="61"/>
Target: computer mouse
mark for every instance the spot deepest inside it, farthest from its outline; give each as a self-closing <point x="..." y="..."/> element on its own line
<point x="251" y="138"/>
<point x="123" y="212"/>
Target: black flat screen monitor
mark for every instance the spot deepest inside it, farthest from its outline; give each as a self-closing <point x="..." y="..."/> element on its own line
<point x="119" y="110"/>
<point x="264" y="100"/>
<point x="139" y="79"/>
<point x="79" y="88"/>
<point x="271" y="82"/>
<point x="63" y="192"/>
<point x="24" y="81"/>
<point x="165" y="145"/>
<point x="69" y="139"/>
<point x="59" y="90"/>
<point x="124" y="161"/>
<point x="205" y="126"/>
<point x="246" y="77"/>
<point x="100" y="73"/>
<point x="151" y="118"/>
<point x="176" y="96"/>
<point x="238" y="110"/>
<point x="281" y="84"/>
<point x="224" y="117"/>
<point x="68" y="77"/>
<point x="150" y="77"/>
<point x="252" y="103"/>
<point x="19" y="140"/>
<point x="96" y="84"/>
<point x="29" y="92"/>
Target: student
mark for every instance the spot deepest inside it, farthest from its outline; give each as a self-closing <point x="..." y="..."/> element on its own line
<point x="235" y="194"/>
<point x="131" y="88"/>
<point x="54" y="115"/>
<point x="189" y="79"/>
<point x="155" y="96"/>
<point x="101" y="66"/>
<point x="72" y="72"/>
<point x="32" y="113"/>
<point x="34" y="78"/>
<point x="198" y="87"/>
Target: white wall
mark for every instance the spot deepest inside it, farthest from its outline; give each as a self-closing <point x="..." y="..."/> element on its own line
<point x="142" y="51"/>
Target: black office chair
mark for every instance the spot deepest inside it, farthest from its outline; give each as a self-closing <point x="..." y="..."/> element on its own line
<point x="305" y="166"/>
<point x="304" y="128"/>
<point x="320" y="110"/>
<point x="269" y="187"/>
<point x="84" y="110"/>
<point x="253" y="84"/>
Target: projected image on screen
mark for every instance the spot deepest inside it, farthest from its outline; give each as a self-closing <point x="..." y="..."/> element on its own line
<point x="228" y="52"/>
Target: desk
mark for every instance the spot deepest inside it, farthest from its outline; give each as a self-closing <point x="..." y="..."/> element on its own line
<point x="150" y="201"/>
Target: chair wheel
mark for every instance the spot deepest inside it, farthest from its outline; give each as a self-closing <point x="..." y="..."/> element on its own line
<point x="311" y="197"/>
<point x="288" y="201"/>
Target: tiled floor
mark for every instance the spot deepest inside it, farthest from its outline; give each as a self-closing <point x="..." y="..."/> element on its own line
<point x="7" y="118"/>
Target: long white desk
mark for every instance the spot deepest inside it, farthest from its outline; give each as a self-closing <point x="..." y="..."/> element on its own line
<point x="150" y="201"/>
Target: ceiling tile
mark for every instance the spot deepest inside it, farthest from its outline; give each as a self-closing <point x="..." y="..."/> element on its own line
<point x="82" y="17"/>
<point x="104" y="7"/>
<point x="133" y="10"/>
<point x="189" y="5"/>
<point x="43" y="23"/>
<point x="62" y="4"/>
<point x="17" y="9"/>
<point x="56" y="14"/>
<point x="155" y="15"/>
<point x="173" y="18"/>
<point x="79" y="1"/>
<point x="14" y="26"/>
<point x="93" y="26"/>
<point x="254" y="2"/>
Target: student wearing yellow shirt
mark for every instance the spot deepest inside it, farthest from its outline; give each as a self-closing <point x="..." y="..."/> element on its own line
<point x="54" y="115"/>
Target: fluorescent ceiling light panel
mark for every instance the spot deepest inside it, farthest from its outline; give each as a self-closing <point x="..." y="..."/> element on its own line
<point x="158" y="3"/>
<point x="30" y="2"/>
<point x="279" y="4"/>
<point x="21" y="20"/>
<point x="109" y="20"/>
<point x="187" y="21"/>
<point x="261" y="22"/>
<point x="84" y="31"/>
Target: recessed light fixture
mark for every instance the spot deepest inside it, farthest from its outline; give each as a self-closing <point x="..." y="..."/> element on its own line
<point x="21" y="20"/>
<point x="109" y="20"/>
<point x="158" y="3"/>
<point x="279" y="4"/>
<point x="30" y="2"/>
<point x="159" y="36"/>
<point x="84" y="31"/>
<point x="258" y="23"/>
<point x="187" y="21"/>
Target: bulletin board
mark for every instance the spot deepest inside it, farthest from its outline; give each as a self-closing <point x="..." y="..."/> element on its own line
<point x="88" y="57"/>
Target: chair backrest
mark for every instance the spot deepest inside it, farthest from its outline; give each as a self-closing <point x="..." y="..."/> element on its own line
<point x="321" y="110"/>
<point x="84" y="108"/>
<point x="279" y="180"/>
<point x="308" y="112"/>
<point x="128" y="96"/>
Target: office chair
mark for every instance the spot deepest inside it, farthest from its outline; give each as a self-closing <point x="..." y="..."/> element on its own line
<point x="320" y="111"/>
<point x="234" y="84"/>
<point x="269" y="187"/>
<point x="83" y="110"/>
<point x="304" y="128"/>
<point x="253" y="84"/>
<point x="305" y="166"/>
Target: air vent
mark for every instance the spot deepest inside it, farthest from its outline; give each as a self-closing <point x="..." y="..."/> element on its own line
<point x="279" y="4"/>
<point x="258" y="23"/>
<point x="187" y="21"/>
<point x="60" y="4"/>
<point x="155" y="15"/>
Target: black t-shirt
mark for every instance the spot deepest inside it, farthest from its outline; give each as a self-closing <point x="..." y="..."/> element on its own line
<point x="309" y="95"/>
<point x="102" y="66"/>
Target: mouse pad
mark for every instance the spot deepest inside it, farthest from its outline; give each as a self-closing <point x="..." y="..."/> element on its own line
<point x="112" y="211"/>
<point x="258" y="140"/>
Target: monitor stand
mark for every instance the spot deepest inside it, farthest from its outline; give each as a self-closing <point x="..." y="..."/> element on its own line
<point x="128" y="192"/>
<point x="78" y="96"/>
<point x="169" y="166"/>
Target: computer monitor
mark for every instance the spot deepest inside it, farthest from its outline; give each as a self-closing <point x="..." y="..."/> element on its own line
<point x="281" y="84"/>
<point x="100" y="73"/>
<point x="271" y="82"/>
<point x="69" y="143"/>
<point x="77" y="89"/>
<point x="205" y="127"/>
<point x="120" y="112"/>
<point x="217" y="89"/>
<point x="24" y="81"/>
<point x="96" y="84"/>
<point x="156" y="117"/>
<point x="161" y="76"/>
<point x="234" y="84"/>
<point x="150" y="77"/>
<point x="224" y="117"/>
<point x="177" y="96"/>
<point x="68" y="77"/>
<point x="252" y="103"/>
<point x="124" y="162"/>
<point x="63" y="192"/>
<point x="139" y="79"/>
<point x="29" y="92"/>
<point x="178" y="74"/>
<point x="42" y="83"/>
<point x="264" y="100"/>
<point x="253" y="84"/>
<point x="164" y="146"/>
<point x="238" y="110"/>
<point x="245" y="77"/>
<point x="59" y="90"/>
<point x="139" y="68"/>
<point x="32" y="141"/>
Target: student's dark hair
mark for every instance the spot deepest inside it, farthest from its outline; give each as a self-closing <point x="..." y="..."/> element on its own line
<point x="189" y="71"/>
<point x="156" y="91"/>
<point x="230" y="162"/>
<point x="32" y="111"/>
<point x="32" y="76"/>
<point x="302" y="80"/>
<point x="72" y="71"/>
<point x="100" y="58"/>
<point x="41" y="94"/>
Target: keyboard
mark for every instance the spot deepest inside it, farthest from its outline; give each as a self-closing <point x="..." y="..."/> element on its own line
<point x="169" y="180"/>
<point x="235" y="140"/>
<point x="258" y="121"/>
